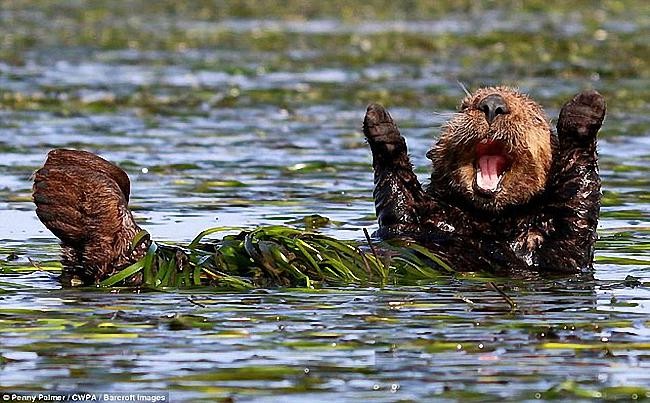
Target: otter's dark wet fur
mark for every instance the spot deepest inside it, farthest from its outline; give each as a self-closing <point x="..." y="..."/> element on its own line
<point x="542" y="216"/>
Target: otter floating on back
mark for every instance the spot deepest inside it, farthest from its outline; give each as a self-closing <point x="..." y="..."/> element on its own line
<point x="506" y="192"/>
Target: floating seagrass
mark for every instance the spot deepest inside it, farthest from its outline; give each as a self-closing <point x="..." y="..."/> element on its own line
<point x="277" y="256"/>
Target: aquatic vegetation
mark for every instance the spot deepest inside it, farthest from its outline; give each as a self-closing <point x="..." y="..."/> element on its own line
<point x="280" y="256"/>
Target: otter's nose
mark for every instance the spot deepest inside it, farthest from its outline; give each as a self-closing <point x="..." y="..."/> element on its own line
<point x="493" y="105"/>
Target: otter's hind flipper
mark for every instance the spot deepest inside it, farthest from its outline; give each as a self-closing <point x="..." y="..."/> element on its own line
<point x="82" y="199"/>
<point x="398" y="193"/>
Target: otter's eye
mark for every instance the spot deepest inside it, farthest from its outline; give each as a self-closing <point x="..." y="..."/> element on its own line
<point x="538" y="119"/>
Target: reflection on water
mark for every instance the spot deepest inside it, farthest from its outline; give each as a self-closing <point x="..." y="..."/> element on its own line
<point x="253" y="121"/>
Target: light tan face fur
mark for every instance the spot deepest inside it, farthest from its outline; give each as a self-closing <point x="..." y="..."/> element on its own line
<point x="522" y="133"/>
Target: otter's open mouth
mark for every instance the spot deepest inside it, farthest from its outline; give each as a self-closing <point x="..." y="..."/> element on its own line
<point x="491" y="164"/>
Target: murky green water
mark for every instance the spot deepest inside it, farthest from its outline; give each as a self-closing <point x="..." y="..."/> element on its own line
<point x="249" y="113"/>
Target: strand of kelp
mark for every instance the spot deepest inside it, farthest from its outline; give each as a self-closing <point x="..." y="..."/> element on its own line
<point x="279" y="256"/>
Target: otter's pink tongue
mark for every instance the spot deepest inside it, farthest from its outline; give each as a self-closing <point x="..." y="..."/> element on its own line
<point x="490" y="168"/>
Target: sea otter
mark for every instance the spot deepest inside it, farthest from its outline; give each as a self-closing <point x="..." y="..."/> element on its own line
<point x="506" y="192"/>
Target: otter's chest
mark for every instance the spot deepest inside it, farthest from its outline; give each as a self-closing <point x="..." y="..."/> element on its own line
<point x="519" y="234"/>
<point x="525" y="235"/>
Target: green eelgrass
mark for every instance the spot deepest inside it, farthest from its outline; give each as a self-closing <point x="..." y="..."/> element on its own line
<point x="279" y="256"/>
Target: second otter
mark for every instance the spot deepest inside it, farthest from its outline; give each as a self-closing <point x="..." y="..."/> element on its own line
<point x="506" y="192"/>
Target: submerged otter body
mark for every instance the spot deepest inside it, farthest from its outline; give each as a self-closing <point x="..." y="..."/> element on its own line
<point x="507" y="193"/>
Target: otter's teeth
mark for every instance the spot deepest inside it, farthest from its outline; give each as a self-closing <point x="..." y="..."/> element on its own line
<point x="488" y="173"/>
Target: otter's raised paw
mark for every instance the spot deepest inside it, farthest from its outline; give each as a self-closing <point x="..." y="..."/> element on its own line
<point x="379" y="127"/>
<point x="582" y="116"/>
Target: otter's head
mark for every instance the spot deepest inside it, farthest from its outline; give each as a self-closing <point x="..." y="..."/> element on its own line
<point x="496" y="152"/>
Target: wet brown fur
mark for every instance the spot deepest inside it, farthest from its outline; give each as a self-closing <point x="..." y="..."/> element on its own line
<point x="524" y="130"/>
<point x="83" y="199"/>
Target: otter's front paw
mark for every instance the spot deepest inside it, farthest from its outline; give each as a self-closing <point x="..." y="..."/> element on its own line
<point x="581" y="117"/>
<point x="379" y="127"/>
